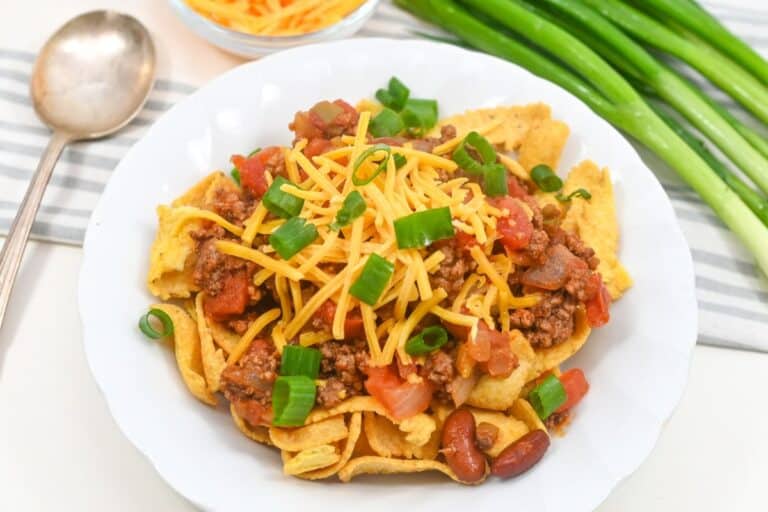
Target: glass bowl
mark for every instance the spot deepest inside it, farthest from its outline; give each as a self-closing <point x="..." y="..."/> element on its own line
<point x="252" y="46"/>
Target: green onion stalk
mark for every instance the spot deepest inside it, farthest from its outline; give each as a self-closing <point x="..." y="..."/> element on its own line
<point x="729" y="76"/>
<point x="635" y="62"/>
<point x="602" y="88"/>
<point x="692" y="17"/>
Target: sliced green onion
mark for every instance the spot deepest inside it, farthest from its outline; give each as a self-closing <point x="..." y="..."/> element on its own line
<point x="547" y="397"/>
<point x="495" y="180"/>
<point x="151" y="332"/>
<point x="419" y="116"/>
<point x="292" y="237"/>
<point x="545" y="179"/>
<point x="581" y="192"/>
<point x="357" y="180"/>
<point x="480" y="144"/>
<point x="428" y="340"/>
<point x="400" y="160"/>
<point x="353" y="207"/>
<point x="292" y="400"/>
<point x="387" y="123"/>
<point x="372" y="280"/>
<point x="282" y="203"/>
<point x="298" y="360"/>
<point x="394" y="96"/>
<point x="422" y="228"/>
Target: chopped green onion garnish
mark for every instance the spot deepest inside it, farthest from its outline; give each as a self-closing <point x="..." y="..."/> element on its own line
<point x="298" y="360"/>
<point x="282" y="203"/>
<point x="547" y="397"/>
<point x="357" y="180"/>
<point x="150" y="331"/>
<point x="481" y="145"/>
<point x="394" y="96"/>
<point x="292" y="400"/>
<point x="581" y="192"/>
<point x="372" y="280"/>
<point x="545" y="179"/>
<point x="428" y="340"/>
<point x="292" y="237"/>
<point x="419" y="116"/>
<point x="422" y="228"/>
<point x="400" y="160"/>
<point x="495" y="180"/>
<point x="387" y="123"/>
<point x="353" y="207"/>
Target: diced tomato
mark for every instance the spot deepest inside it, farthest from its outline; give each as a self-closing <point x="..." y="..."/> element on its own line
<point x="554" y="272"/>
<point x="253" y="168"/>
<point x="231" y="300"/>
<point x="465" y="241"/>
<point x="353" y="324"/>
<point x="317" y="147"/>
<point x="576" y="386"/>
<point x="401" y="398"/>
<point x="515" y="228"/>
<point x="501" y="361"/>
<point x="253" y="412"/>
<point x="514" y="188"/>
<point x="598" y="306"/>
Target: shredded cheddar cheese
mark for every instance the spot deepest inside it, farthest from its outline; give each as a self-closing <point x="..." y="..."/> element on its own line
<point x="275" y="17"/>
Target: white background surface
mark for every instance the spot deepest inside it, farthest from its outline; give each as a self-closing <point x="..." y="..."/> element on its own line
<point x="60" y="450"/>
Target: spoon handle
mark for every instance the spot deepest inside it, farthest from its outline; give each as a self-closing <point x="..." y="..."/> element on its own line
<point x="13" y="249"/>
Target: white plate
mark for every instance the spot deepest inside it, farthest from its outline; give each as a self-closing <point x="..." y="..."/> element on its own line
<point x="637" y="365"/>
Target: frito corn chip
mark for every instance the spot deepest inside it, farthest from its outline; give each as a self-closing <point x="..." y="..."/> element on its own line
<point x="498" y="394"/>
<point x="355" y="429"/>
<point x="259" y="434"/>
<point x="171" y="257"/>
<point x="315" y="434"/>
<point x="529" y="130"/>
<point x="354" y="404"/>
<point x="223" y="336"/>
<point x="418" y="429"/>
<point x="509" y="429"/>
<point x="594" y="221"/>
<point x="385" y="466"/>
<point x="186" y="347"/>
<point x="310" y="459"/>
<point x="387" y="440"/>
<point x="214" y="361"/>
<point x="525" y="412"/>
<point x="549" y="358"/>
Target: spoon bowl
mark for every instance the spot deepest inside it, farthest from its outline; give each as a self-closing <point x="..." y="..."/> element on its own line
<point x="94" y="74"/>
<point x="91" y="78"/>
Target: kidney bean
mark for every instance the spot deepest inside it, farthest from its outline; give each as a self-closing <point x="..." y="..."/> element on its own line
<point x="461" y="452"/>
<point x="521" y="455"/>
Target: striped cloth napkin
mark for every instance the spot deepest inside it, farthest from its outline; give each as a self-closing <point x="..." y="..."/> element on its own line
<point x="733" y="296"/>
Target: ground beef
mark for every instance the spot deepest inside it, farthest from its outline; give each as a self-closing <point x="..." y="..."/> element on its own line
<point x="231" y="205"/>
<point x="251" y="378"/>
<point x="427" y="144"/>
<point x="332" y="393"/>
<point x="452" y="270"/>
<point x="212" y="267"/>
<point x="438" y="369"/>
<point x="549" y="322"/>
<point x="557" y="421"/>
<point x="343" y="367"/>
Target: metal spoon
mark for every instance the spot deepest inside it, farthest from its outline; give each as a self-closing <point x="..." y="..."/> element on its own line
<point x="91" y="78"/>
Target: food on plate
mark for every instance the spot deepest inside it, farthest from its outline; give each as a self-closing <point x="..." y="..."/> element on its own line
<point x="392" y="293"/>
<point x="275" y="17"/>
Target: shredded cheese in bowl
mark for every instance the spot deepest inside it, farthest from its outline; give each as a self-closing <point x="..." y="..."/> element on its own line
<point x="275" y="17"/>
